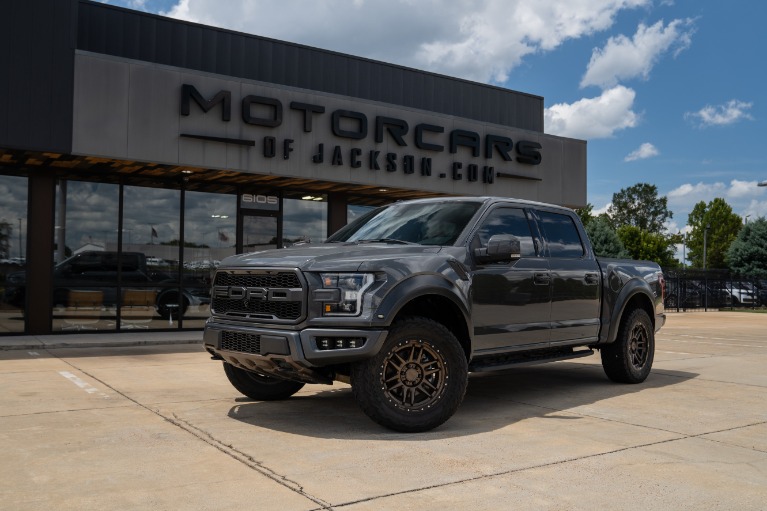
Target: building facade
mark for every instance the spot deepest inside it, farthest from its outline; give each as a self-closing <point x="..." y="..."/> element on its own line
<point x="137" y="151"/>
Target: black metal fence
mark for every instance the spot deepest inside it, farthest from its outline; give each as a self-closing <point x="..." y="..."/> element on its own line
<point x="712" y="289"/>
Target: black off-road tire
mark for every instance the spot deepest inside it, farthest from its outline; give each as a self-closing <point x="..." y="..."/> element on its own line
<point x="629" y="358"/>
<point x="258" y="387"/>
<point x="416" y="381"/>
<point x="177" y="309"/>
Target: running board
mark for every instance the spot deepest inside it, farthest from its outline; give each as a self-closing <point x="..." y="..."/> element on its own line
<point x="530" y="358"/>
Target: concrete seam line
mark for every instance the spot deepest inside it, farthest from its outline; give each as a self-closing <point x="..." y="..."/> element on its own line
<point x="207" y="438"/>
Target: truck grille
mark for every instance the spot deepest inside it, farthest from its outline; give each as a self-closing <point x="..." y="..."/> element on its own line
<point x="241" y="342"/>
<point x="259" y="295"/>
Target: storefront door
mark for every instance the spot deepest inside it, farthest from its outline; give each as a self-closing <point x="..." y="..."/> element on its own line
<point x="257" y="231"/>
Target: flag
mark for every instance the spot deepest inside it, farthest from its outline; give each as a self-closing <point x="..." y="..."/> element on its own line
<point x="154" y="232"/>
<point x="222" y="236"/>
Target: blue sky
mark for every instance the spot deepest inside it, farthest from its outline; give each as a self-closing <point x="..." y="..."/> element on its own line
<point x="669" y="92"/>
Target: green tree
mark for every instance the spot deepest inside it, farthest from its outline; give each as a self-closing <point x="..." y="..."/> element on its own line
<point x="648" y="246"/>
<point x="585" y="214"/>
<point x="604" y="239"/>
<point x="747" y="255"/>
<point x="640" y="206"/>
<point x="723" y="227"/>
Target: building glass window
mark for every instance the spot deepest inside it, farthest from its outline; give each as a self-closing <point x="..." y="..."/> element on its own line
<point x="304" y="219"/>
<point x="85" y="288"/>
<point x="13" y="240"/>
<point x="210" y="227"/>
<point x="151" y="230"/>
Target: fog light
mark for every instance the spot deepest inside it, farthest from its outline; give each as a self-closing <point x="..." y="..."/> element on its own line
<point x="339" y="343"/>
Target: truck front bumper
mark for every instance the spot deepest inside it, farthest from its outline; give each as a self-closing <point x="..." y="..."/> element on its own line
<point x="292" y="355"/>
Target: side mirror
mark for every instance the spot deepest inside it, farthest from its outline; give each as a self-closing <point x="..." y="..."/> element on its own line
<point x="501" y="247"/>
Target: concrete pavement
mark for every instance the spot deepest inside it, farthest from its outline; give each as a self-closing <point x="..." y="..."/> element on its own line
<point x="159" y="427"/>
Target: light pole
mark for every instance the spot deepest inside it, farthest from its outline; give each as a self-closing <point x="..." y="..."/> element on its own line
<point x="21" y="253"/>
<point x="705" y="273"/>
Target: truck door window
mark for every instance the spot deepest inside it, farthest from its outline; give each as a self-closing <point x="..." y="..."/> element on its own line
<point x="508" y="221"/>
<point x="562" y="235"/>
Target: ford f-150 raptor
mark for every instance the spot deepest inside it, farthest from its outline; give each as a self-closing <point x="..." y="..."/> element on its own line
<point x="408" y="299"/>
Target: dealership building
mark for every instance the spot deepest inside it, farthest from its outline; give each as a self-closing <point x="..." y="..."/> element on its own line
<point x="137" y="151"/>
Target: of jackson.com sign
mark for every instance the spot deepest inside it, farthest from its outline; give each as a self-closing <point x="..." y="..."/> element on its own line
<point x="415" y="145"/>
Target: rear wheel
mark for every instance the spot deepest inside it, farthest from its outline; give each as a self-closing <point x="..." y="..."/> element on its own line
<point x="416" y="381"/>
<point x="629" y="358"/>
<point x="260" y="387"/>
<point x="169" y="306"/>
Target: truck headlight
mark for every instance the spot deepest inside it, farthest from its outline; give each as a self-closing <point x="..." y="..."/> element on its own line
<point x="351" y="288"/>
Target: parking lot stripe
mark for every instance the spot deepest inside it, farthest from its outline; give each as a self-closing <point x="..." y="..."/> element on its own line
<point x="87" y="387"/>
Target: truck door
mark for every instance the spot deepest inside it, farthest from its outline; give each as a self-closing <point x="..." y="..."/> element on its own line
<point x="511" y="300"/>
<point x="575" y="279"/>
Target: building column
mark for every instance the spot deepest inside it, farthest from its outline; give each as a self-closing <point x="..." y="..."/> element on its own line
<point x="39" y="269"/>
<point x="337" y="203"/>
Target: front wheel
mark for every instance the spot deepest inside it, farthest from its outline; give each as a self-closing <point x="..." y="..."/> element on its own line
<point x="629" y="358"/>
<point x="416" y="381"/>
<point x="258" y="387"/>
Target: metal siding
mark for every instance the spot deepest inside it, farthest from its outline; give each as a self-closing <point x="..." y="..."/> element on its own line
<point x="38" y="50"/>
<point x="103" y="29"/>
<point x="223" y="56"/>
<point x="164" y="42"/>
<point x="147" y="33"/>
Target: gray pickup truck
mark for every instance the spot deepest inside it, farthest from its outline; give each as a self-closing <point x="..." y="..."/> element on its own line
<point x="408" y="299"/>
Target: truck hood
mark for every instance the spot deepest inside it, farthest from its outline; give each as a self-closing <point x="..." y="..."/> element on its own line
<point x="330" y="256"/>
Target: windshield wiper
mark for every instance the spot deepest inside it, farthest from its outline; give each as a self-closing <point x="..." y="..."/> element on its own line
<point x="387" y="240"/>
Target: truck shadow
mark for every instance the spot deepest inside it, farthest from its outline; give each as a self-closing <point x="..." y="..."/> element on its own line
<point x="493" y="401"/>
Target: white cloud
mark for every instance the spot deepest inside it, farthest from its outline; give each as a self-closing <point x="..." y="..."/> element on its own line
<point x="646" y="150"/>
<point x="591" y="118"/>
<point x="482" y="40"/>
<point x="721" y="115"/>
<point x="599" y="211"/>
<point x="745" y="197"/>
<point x="756" y="209"/>
<point x="623" y="58"/>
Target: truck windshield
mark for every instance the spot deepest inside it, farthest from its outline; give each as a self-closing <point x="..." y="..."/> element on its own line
<point x="425" y="223"/>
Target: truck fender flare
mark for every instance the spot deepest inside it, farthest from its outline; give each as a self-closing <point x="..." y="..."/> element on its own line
<point x="631" y="289"/>
<point x="417" y="286"/>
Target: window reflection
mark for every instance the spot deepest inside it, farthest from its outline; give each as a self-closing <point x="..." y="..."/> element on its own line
<point x="13" y="239"/>
<point x="85" y="287"/>
<point x="304" y="220"/>
<point x="210" y="222"/>
<point x="562" y="235"/>
<point x="151" y="226"/>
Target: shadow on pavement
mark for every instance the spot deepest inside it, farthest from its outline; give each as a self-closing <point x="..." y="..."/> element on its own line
<point x="493" y="401"/>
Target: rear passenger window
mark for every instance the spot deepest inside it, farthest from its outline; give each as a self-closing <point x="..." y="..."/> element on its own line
<point x="561" y="234"/>
<point x="508" y="221"/>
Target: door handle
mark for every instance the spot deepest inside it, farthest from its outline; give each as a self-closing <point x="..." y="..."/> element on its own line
<point x="592" y="278"/>
<point x="542" y="278"/>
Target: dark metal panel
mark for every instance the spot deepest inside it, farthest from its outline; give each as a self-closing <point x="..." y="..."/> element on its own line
<point x="223" y="55"/>
<point x="193" y="49"/>
<point x="164" y="42"/>
<point x="257" y="60"/>
<point x="131" y="30"/>
<point x="147" y="34"/>
<point x="37" y="82"/>
<point x="177" y="56"/>
<point x="103" y="29"/>
<point x="237" y="56"/>
<point x="113" y="41"/>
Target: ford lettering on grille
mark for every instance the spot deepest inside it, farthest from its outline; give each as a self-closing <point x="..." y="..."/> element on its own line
<point x="249" y="294"/>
